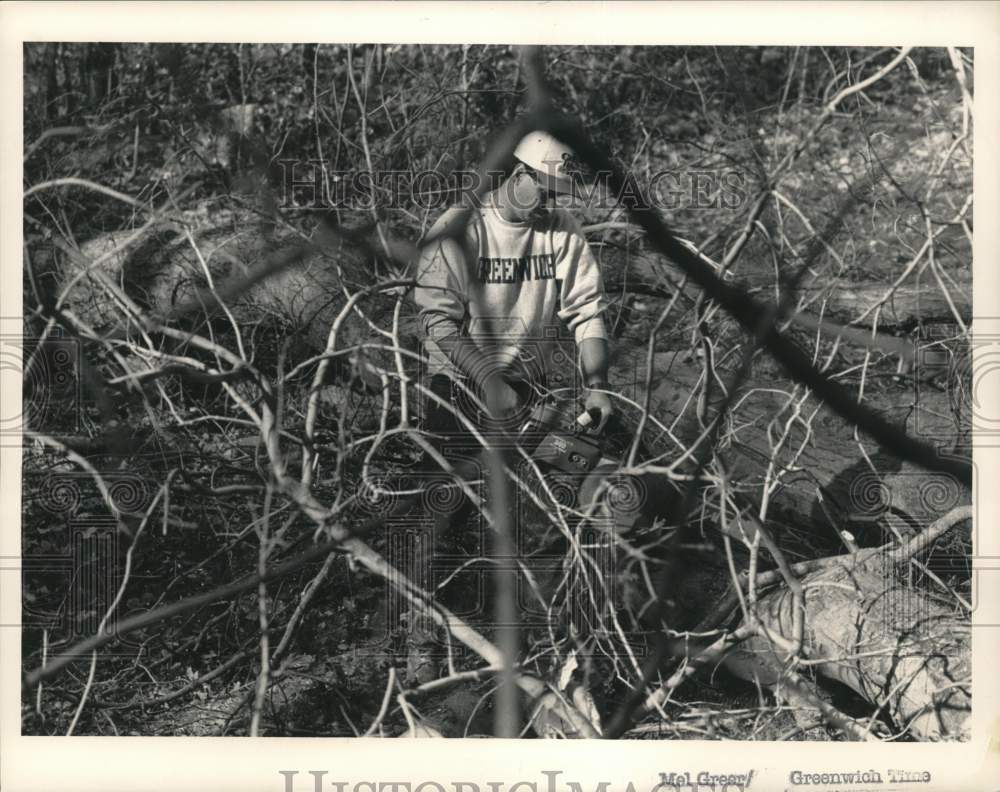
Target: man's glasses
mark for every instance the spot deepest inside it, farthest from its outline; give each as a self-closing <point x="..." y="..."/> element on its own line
<point x="541" y="184"/>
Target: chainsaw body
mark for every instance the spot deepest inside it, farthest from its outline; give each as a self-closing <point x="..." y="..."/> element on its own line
<point x="584" y="458"/>
<point x="563" y="444"/>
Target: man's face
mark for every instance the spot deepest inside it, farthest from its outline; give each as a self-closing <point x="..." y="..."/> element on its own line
<point x="530" y="196"/>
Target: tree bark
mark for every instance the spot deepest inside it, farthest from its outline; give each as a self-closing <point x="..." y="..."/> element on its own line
<point x="903" y="652"/>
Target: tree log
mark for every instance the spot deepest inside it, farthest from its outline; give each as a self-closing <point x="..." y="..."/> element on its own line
<point x="820" y="480"/>
<point x="258" y="271"/>
<point x="918" y="299"/>
<point x="894" y="646"/>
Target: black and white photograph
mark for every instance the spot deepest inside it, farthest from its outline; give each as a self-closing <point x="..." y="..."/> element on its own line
<point x="552" y="391"/>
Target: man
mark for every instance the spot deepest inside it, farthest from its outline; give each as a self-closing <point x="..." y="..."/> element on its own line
<point x="521" y="265"/>
<point x="486" y="296"/>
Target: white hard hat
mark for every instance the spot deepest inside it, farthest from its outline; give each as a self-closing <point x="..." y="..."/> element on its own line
<point x="552" y="159"/>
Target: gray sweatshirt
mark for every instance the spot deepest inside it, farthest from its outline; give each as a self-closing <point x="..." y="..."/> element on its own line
<point x="514" y="281"/>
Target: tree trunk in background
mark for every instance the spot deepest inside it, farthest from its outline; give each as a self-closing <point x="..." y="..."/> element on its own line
<point x="51" y="81"/>
<point x="308" y="61"/>
<point x="98" y="67"/>
<point x="67" y="82"/>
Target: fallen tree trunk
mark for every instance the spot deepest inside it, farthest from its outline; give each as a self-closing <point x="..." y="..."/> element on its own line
<point x="903" y="652"/>
<point x="842" y="301"/>
<point x="179" y="266"/>
<point x="917" y="299"/>
<point x="914" y="301"/>
<point x="820" y="479"/>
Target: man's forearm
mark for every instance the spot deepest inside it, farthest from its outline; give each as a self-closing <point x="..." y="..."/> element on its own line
<point x="463" y="352"/>
<point x="594" y="360"/>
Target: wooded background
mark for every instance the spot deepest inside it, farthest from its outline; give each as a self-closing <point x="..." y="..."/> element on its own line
<point x="192" y="422"/>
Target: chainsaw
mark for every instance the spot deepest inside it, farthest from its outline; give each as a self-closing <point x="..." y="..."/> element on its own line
<point x="571" y="447"/>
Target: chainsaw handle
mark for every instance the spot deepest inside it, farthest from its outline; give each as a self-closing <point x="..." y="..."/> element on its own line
<point x="545" y="416"/>
<point x="589" y="417"/>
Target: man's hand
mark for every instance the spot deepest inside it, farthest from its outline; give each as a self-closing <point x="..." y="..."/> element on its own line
<point x="594" y="362"/>
<point x="598" y="400"/>
<point x="501" y="399"/>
